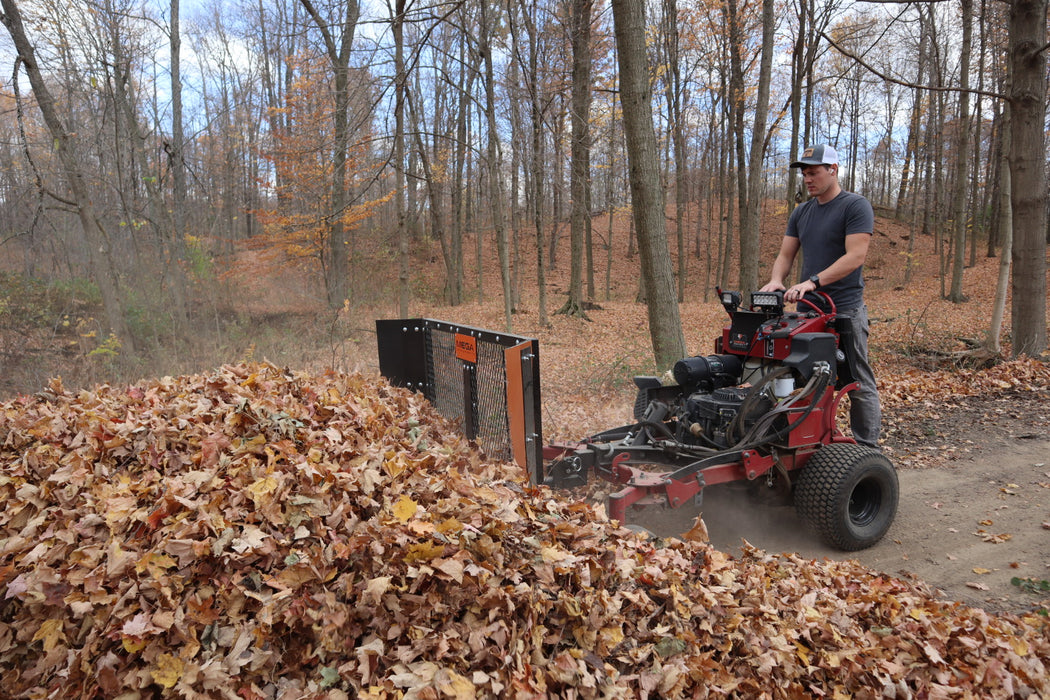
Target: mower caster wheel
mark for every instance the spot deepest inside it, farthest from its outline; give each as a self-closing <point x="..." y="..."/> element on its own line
<point x="848" y="493"/>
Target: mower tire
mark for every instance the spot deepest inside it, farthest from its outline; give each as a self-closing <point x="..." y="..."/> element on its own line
<point x="848" y="493"/>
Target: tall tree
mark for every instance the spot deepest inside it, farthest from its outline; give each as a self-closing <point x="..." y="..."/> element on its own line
<point x="397" y="20"/>
<point x="647" y="197"/>
<point x="1027" y="54"/>
<point x="494" y="156"/>
<point x="962" y="152"/>
<point x="177" y="163"/>
<point x="673" y="90"/>
<point x="749" y="169"/>
<point x="537" y="109"/>
<point x="995" y="328"/>
<point x="176" y="151"/>
<point x="338" y="48"/>
<point x="580" y="161"/>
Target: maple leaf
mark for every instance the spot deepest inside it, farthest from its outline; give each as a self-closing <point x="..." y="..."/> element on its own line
<point x="405" y="508"/>
<point x="51" y="633"/>
<point x="168" y="670"/>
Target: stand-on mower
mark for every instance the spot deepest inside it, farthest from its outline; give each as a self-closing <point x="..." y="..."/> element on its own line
<point x="760" y="411"/>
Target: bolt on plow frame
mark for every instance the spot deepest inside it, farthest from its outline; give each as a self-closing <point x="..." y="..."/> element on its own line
<point x="761" y="410"/>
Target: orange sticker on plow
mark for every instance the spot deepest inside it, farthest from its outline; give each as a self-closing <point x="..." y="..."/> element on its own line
<point x="466" y="348"/>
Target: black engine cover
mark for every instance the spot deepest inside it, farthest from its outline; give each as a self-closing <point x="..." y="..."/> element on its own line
<point x="709" y="414"/>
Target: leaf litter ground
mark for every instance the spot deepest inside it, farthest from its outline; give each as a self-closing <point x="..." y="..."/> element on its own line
<point x="257" y="533"/>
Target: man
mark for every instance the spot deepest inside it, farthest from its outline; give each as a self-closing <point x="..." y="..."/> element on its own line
<point x="833" y="230"/>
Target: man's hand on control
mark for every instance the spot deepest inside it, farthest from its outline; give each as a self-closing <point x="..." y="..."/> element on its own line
<point x="796" y="292"/>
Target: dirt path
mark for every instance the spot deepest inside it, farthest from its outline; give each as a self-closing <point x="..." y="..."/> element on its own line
<point x="966" y="529"/>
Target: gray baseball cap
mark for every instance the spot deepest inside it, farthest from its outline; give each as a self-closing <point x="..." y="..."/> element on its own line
<point x="817" y="155"/>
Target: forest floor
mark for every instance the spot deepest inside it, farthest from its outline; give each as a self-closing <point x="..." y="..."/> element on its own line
<point x="971" y="444"/>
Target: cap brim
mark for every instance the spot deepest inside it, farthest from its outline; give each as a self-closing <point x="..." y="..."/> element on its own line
<point x="804" y="163"/>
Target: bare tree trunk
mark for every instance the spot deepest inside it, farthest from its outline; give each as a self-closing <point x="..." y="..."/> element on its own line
<point x="98" y="245"/>
<point x="536" y="159"/>
<point x="749" y="174"/>
<point x="460" y="188"/>
<point x="579" y="182"/>
<point x="339" y="56"/>
<point x="177" y="163"/>
<point x="404" y="263"/>
<point x="177" y="155"/>
<point x="962" y="153"/>
<point x="494" y="160"/>
<point x="673" y="90"/>
<point x="1027" y="55"/>
<point x="665" y="326"/>
<point x="1002" y="286"/>
<point x="912" y="145"/>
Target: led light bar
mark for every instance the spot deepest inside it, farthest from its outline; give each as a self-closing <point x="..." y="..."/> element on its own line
<point x="767" y="301"/>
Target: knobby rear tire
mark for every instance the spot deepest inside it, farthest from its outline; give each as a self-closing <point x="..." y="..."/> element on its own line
<point x="848" y="493"/>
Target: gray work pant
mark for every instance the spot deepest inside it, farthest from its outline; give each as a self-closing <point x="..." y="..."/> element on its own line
<point x="865" y="412"/>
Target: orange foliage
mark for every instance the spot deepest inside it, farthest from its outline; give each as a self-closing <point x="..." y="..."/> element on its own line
<point x="300" y="224"/>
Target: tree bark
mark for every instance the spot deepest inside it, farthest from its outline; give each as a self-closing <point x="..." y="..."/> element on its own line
<point x="995" y="328"/>
<point x="665" y="328"/>
<point x="404" y="263"/>
<point x="962" y="153"/>
<point x="579" y="179"/>
<point x="751" y="216"/>
<point x="1027" y="56"/>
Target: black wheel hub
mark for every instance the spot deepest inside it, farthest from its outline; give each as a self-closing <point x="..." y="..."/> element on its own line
<point x="865" y="502"/>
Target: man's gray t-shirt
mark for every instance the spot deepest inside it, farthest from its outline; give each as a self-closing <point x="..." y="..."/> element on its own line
<point x="822" y="230"/>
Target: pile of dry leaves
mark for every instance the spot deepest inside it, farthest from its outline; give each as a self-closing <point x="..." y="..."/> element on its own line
<point x="257" y="533"/>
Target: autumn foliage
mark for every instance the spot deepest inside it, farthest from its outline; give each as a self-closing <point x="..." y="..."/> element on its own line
<point x="257" y="533"/>
<point x="297" y="228"/>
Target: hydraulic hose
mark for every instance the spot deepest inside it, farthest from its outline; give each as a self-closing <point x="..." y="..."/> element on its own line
<point x="816" y="385"/>
<point x="736" y="426"/>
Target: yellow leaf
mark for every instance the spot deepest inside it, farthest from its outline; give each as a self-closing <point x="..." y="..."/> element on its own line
<point x="51" y="633"/>
<point x="1020" y="646"/>
<point x="803" y="653"/>
<point x="457" y="687"/>
<point x="553" y="555"/>
<point x="253" y="445"/>
<point x="132" y="645"/>
<point x="610" y="637"/>
<point x="394" y="466"/>
<point x="450" y="526"/>
<point x="424" y="551"/>
<point x="168" y="671"/>
<point x="981" y="570"/>
<point x="155" y="563"/>
<point x="262" y="487"/>
<point x="405" y="508"/>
